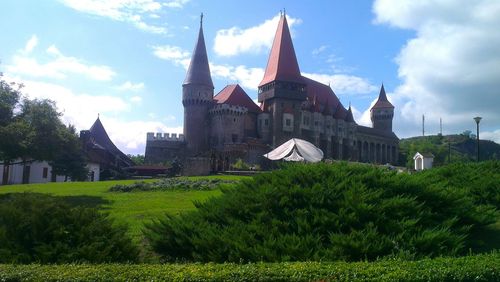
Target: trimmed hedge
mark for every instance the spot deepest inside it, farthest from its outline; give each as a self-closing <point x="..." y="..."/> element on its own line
<point x="170" y="184"/>
<point x="325" y="212"/>
<point x="469" y="268"/>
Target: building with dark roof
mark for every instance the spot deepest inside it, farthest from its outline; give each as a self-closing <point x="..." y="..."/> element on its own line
<point x="230" y="125"/>
<point x="100" y="150"/>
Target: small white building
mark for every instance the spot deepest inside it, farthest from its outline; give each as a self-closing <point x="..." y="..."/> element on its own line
<point x="423" y="161"/>
<point x="39" y="172"/>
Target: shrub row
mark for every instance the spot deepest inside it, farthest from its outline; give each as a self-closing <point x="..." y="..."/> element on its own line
<point x="168" y="184"/>
<point x="469" y="268"/>
<point x="322" y="212"/>
<point x="46" y="229"/>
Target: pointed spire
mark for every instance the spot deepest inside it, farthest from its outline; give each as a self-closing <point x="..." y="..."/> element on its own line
<point x="382" y="101"/>
<point x="349" y="117"/>
<point x="199" y="70"/>
<point x="282" y="64"/>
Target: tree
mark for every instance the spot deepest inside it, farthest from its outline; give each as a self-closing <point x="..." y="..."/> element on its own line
<point x="35" y="131"/>
<point x="137" y="159"/>
<point x="70" y="160"/>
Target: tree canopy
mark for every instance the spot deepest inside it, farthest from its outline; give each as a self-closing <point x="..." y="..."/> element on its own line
<point x="32" y="129"/>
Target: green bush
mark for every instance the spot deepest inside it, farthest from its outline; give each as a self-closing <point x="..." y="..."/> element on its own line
<point x="45" y="229"/>
<point x="324" y="212"/>
<point x="470" y="268"/>
<point x="480" y="180"/>
<point x="169" y="184"/>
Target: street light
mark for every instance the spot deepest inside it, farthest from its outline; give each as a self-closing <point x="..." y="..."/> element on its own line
<point x="477" y="119"/>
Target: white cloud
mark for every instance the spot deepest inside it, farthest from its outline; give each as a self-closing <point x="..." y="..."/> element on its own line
<point x="58" y="66"/>
<point x="81" y="110"/>
<point x="129" y="86"/>
<point x="450" y="68"/>
<point x="125" y="10"/>
<point x="319" y="50"/>
<point x="31" y="44"/>
<point x="130" y="136"/>
<point x="168" y="52"/>
<point x="234" y="41"/>
<point x="175" y="3"/>
<point x="245" y="76"/>
<point x="136" y="99"/>
<point x="491" y="135"/>
<point x="344" y="84"/>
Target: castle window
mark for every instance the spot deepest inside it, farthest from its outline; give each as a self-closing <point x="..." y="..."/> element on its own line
<point x="45" y="172"/>
<point x="266" y="122"/>
<point x="234" y="138"/>
<point x="234" y="120"/>
<point x="287" y="122"/>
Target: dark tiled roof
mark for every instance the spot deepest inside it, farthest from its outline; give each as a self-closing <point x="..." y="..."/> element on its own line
<point x="349" y="117"/>
<point x="235" y="95"/>
<point x="340" y="112"/>
<point x="282" y="64"/>
<point x="382" y="101"/>
<point x="376" y="132"/>
<point x="100" y="140"/>
<point x="199" y="70"/>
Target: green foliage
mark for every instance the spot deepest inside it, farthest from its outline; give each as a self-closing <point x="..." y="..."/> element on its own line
<point x="448" y="149"/>
<point x="241" y="165"/>
<point x="470" y="268"/>
<point x="69" y="160"/>
<point x="45" y="229"/>
<point x="175" y="168"/>
<point x="170" y="184"/>
<point x="36" y="132"/>
<point x="324" y="212"/>
<point x="481" y="180"/>
<point x="137" y="159"/>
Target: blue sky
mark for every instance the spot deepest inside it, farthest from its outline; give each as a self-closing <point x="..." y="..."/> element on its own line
<point x="126" y="59"/>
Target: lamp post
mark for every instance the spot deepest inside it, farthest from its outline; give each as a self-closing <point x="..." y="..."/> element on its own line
<point x="477" y="119"/>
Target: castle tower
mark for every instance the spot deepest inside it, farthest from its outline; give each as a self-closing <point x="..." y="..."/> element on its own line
<point x="283" y="89"/>
<point x="382" y="112"/>
<point x="197" y="98"/>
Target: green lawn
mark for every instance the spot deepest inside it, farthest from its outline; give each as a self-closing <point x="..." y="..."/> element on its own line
<point x="132" y="209"/>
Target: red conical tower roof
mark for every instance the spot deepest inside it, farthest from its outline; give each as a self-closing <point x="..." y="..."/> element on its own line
<point x="199" y="70"/>
<point x="382" y="101"/>
<point x="282" y="64"/>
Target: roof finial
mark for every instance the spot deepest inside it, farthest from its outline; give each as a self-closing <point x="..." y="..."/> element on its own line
<point x="284" y="12"/>
<point x="201" y="20"/>
<point x="97" y="115"/>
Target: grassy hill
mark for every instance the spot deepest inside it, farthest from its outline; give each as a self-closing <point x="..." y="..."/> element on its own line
<point x="448" y="148"/>
<point x="132" y="209"/>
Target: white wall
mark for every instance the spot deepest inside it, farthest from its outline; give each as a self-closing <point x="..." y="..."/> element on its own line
<point x="93" y="167"/>
<point x="37" y="172"/>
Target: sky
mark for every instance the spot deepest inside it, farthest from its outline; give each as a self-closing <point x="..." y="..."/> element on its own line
<point x="125" y="60"/>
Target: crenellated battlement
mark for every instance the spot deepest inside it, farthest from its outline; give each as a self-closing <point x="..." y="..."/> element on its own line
<point x="151" y="136"/>
<point x="228" y="109"/>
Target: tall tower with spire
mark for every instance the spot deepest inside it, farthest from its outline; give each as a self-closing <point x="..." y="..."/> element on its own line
<point x="282" y="90"/>
<point x="382" y="112"/>
<point x="197" y="98"/>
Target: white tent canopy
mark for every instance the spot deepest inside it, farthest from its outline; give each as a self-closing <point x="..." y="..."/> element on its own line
<point x="296" y="150"/>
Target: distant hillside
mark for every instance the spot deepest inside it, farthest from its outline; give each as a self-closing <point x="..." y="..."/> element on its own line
<point x="460" y="147"/>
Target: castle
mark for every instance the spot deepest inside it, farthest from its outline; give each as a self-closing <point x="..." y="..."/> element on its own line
<point x="219" y="129"/>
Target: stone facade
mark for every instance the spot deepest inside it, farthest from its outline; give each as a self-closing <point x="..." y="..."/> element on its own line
<point x="230" y="125"/>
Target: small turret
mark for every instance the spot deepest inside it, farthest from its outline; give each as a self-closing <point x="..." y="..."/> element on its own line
<point x="382" y="112"/>
<point x="197" y="97"/>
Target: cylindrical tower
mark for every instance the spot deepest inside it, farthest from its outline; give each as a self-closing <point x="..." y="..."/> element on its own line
<point x="197" y="98"/>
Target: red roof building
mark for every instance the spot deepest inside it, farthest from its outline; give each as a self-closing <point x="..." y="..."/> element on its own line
<point x="231" y="125"/>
